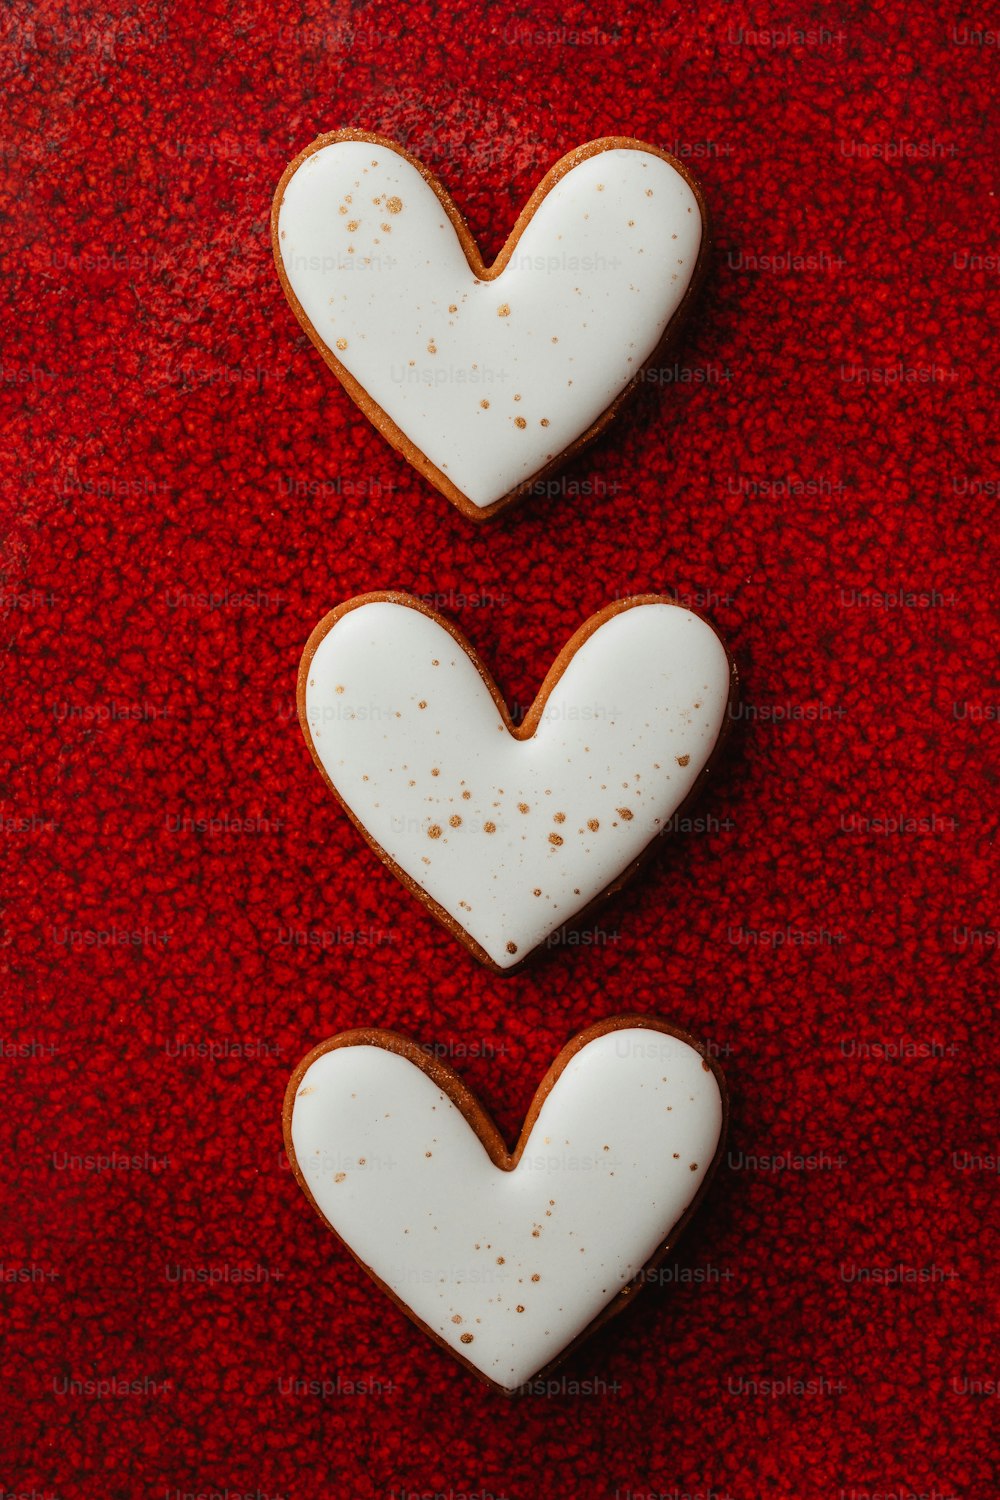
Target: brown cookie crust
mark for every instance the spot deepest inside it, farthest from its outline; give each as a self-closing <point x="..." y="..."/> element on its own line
<point x="482" y="272"/>
<point x="482" y="1123"/>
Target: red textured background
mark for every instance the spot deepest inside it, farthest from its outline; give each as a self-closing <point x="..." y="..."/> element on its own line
<point x="158" y="406"/>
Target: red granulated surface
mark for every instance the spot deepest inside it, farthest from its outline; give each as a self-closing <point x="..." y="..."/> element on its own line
<point x="187" y="491"/>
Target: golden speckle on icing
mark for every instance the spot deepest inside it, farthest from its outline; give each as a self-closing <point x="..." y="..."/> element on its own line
<point x="341" y="343"/>
<point x="394" y="205"/>
<point x="682" y="760"/>
<point x="434" y="831"/>
<point x="455" y="821"/>
<point x="489" y="828"/>
<point x="555" y="839"/>
<point x="593" y="824"/>
<point x="520" y="422"/>
<point x="626" y="813"/>
<point x="503" y="311"/>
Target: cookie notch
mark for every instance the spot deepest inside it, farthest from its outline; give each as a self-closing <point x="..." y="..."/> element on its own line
<point x="370" y="407"/>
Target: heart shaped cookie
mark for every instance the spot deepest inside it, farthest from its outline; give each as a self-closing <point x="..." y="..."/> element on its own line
<point x="508" y="1259"/>
<point x="487" y="377"/>
<point x="507" y="833"/>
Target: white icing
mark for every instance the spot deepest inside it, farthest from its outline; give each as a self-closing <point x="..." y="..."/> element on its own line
<point x="617" y="1154"/>
<point x="411" y="738"/>
<point x="592" y="284"/>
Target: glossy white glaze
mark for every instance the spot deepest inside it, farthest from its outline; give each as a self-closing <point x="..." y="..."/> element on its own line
<point x="514" y="837"/>
<point x="509" y="1267"/>
<point x="490" y="380"/>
